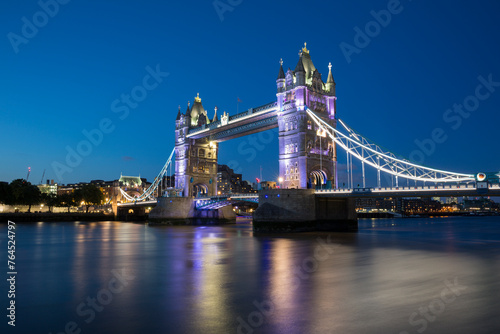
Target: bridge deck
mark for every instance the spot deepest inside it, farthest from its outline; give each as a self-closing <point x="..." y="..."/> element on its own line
<point x="242" y="124"/>
<point x="132" y="204"/>
<point x="427" y="191"/>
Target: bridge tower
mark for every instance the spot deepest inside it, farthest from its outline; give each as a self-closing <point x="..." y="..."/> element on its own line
<point x="195" y="159"/>
<point x="307" y="157"/>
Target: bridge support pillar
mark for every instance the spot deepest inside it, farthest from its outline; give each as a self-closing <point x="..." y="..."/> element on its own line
<point x="114" y="206"/>
<point x="136" y="213"/>
<point x="296" y="210"/>
<point x="173" y="208"/>
<point x="182" y="211"/>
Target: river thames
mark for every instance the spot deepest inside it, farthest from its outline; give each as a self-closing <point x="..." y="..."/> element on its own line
<point x="432" y="275"/>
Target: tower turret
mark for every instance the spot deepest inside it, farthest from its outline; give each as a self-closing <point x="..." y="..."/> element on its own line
<point x="300" y="72"/>
<point x="188" y="111"/>
<point x="197" y="110"/>
<point x="280" y="81"/>
<point x="181" y="125"/>
<point x="178" y="114"/>
<point x="215" y="119"/>
<point x="330" y="83"/>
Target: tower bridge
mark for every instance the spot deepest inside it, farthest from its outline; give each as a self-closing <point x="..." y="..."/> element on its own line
<point x="309" y="135"/>
<point x="307" y="156"/>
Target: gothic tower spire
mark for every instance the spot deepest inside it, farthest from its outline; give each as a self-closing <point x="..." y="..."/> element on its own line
<point x="300" y="72"/>
<point x="178" y="114"/>
<point x="330" y="83"/>
<point x="281" y="74"/>
<point x="215" y="119"/>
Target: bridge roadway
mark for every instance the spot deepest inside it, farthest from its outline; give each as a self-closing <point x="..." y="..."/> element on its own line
<point x="423" y="191"/>
<point x="138" y="203"/>
<point x="245" y="123"/>
<point x="216" y="202"/>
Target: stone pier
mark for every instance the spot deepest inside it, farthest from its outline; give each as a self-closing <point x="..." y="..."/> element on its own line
<point x="182" y="211"/>
<point x="295" y="210"/>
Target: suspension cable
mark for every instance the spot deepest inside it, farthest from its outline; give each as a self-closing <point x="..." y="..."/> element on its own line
<point x="148" y="193"/>
<point x="354" y="143"/>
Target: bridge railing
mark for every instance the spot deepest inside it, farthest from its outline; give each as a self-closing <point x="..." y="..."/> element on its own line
<point x="210" y="126"/>
<point x="240" y="115"/>
<point x="137" y="203"/>
<point x="217" y="124"/>
<point x="419" y="188"/>
<point x="244" y="195"/>
<point x="208" y="201"/>
<point x="265" y="106"/>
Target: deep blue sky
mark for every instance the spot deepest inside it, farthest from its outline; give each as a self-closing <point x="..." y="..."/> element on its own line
<point x="394" y="91"/>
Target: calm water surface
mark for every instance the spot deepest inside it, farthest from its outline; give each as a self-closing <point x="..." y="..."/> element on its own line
<point x="420" y="275"/>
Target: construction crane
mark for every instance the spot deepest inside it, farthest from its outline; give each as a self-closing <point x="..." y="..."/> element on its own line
<point x="41" y="181"/>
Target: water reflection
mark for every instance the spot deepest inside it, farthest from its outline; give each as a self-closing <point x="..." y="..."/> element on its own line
<point x="211" y="256"/>
<point x="218" y="279"/>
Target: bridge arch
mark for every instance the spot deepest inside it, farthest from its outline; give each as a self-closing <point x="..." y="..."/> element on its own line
<point x="318" y="177"/>
<point x="200" y="189"/>
<point x="133" y="193"/>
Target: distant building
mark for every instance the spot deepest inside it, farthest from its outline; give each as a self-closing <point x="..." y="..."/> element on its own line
<point x="229" y="182"/>
<point x="247" y="188"/>
<point x="132" y="185"/>
<point x="268" y="185"/>
<point x="437" y="199"/>
<point x="49" y="188"/>
<point x="406" y="205"/>
<point x="64" y="189"/>
<point x="168" y="181"/>
<point x="110" y="189"/>
<point x="420" y="205"/>
<point x="69" y="188"/>
<point x="450" y="200"/>
<point x="381" y="204"/>
<point x="168" y="187"/>
<point x="133" y="182"/>
<point x="480" y="204"/>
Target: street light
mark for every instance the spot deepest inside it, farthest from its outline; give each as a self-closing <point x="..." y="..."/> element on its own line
<point x="280" y="179"/>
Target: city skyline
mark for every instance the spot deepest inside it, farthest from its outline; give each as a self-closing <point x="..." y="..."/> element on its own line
<point x="399" y="84"/>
